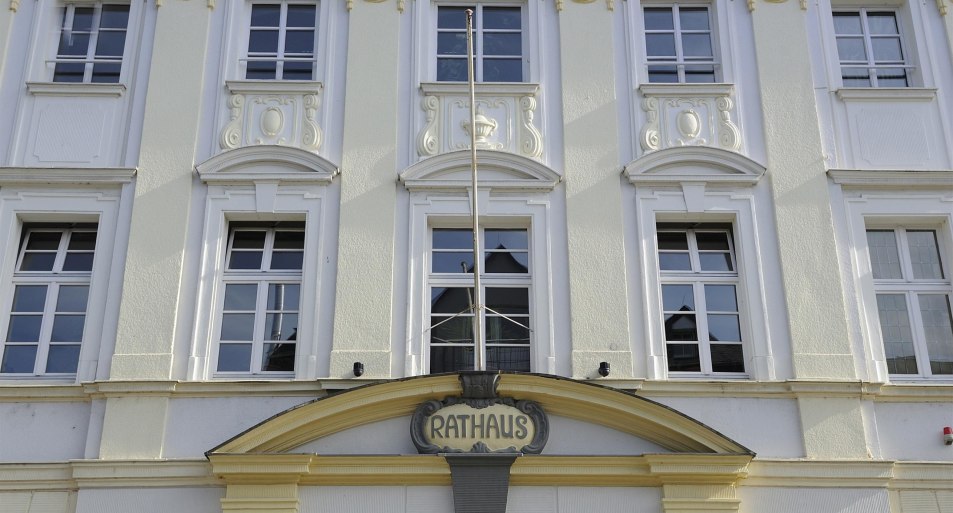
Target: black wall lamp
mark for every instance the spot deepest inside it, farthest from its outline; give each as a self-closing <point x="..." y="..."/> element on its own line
<point x="604" y="369"/>
<point x="358" y="369"/>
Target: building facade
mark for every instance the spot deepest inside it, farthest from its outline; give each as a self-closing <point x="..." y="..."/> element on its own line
<point x="236" y="263"/>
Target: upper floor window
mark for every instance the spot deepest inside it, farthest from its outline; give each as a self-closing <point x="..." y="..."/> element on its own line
<point x="870" y="48"/>
<point x="51" y="282"/>
<point x="92" y="42"/>
<point x="281" y="41"/>
<point x="678" y="44"/>
<point x="505" y="280"/>
<point x="258" y="327"/>
<point x="913" y="301"/>
<point x="498" y="40"/>
<point x="699" y="281"/>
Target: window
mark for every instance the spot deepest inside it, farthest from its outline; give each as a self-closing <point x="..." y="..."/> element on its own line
<point x="262" y="282"/>
<point x="699" y="281"/>
<point x="50" y="294"/>
<point x="498" y="43"/>
<point x="913" y="301"/>
<point x="281" y="42"/>
<point x="506" y="289"/>
<point x="870" y="49"/>
<point x="678" y="44"/>
<point x="92" y="39"/>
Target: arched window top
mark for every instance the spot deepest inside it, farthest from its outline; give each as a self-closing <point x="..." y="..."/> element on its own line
<point x="497" y="170"/>
<point x="251" y="164"/>
<point x="695" y="164"/>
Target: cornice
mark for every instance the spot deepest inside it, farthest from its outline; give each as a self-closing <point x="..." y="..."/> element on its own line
<point x="75" y="89"/>
<point x="881" y="178"/>
<point x="66" y="176"/>
<point x="819" y="474"/>
<point x="889" y="94"/>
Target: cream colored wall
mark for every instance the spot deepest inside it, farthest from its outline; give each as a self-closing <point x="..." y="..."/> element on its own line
<point x="362" y="317"/>
<point x="597" y="295"/>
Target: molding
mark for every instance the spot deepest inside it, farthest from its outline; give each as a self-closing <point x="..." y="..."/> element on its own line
<point x="274" y="86"/>
<point x="721" y="167"/>
<point x="721" y="89"/>
<point x="886" y="94"/>
<point x="66" y="176"/>
<point x="24" y="391"/>
<point x="819" y="474"/>
<point x="481" y="88"/>
<point x="451" y="171"/>
<point x="892" y="179"/>
<point x="281" y="164"/>
<point x="73" y="89"/>
<point x="106" y="474"/>
<point x="922" y="474"/>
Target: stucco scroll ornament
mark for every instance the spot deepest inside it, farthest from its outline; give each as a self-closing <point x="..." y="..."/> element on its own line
<point x="272" y="118"/>
<point x="15" y="4"/>
<point x="649" y="136"/>
<point x="311" y="137"/>
<point x="232" y="134"/>
<point x="531" y="141"/>
<point x="728" y="134"/>
<point x="941" y="6"/>
<point x="427" y="142"/>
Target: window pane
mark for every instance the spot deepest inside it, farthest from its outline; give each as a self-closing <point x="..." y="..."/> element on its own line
<point x="63" y="358"/>
<point x="452" y="43"/>
<point x="712" y="241"/>
<point x="897" y="337"/>
<point x="83" y="19"/>
<point x="82" y="241"/>
<point x="680" y="327"/>
<point x="453" y="262"/>
<point x="720" y="298"/>
<point x="683" y="358"/>
<point x="301" y="16"/>
<point x="699" y="74"/>
<point x="18" y="359"/>
<point x="245" y="260"/>
<point x="660" y="45"/>
<point x="29" y="298"/>
<point x="24" y="328"/>
<point x="677" y="298"/>
<point x="508" y="300"/>
<point x="37" y="261"/>
<point x="265" y="15"/>
<point x="663" y="74"/>
<point x="503" y="70"/>
<point x="281" y="326"/>
<point x="884" y="258"/>
<point x="240" y="296"/>
<point x="452" y="239"/>
<point x="73" y="44"/>
<point x="674" y="262"/>
<point x="78" y="262"/>
<point x="502" y="18"/>
<point x="886" y="49"/>
<point x="68" y="72"/>
<point x="114" y="16"/>
<point x="452" y="17"/>
<point x="882" y="23"/>
<point x="106" y="72"/>
<point x="298" y="70"/>
<point x="506" y="331"/>
<point x="512" y="262"/>
<point x="855" y="77"/>
<point x="450" y="300"/>
<point x="851" y="49"/>
<point x="723" y="328"/>
<point x="693" y="18"/>
<point x="261" y="70"/>
<point x="299" y="41"/>
<point x="72" y="298"/>
<point x="715" y="261"/>
<point x="696" y="45"/>
<point x="508" y="359"/>
<point x="237" y="326"/>
<point x="110" y="44"/>
<point x="450" y="358"/>
<point x="44" y="241"/>
<point x="287" y="260"/>
<point x="278" y="358"/>
<point x="263" y="41"/>
<point x="937" y="330"/>
<point x="892" y="77"/>
<point x="847" y="23"/>
<point x="727" y="358"/>
<point x="451" y="330"/>
<point x="68" y="328"/>
<point x="246" y="239"/>
<point x="502" y="44"/>
<point x="234" y="357"/>
<point x="658" y="19"/>
<point x="924" y="254"/>
<point x="509" y="239"/>
<point x="283" y="296"/>
<point x="452" y="70"/>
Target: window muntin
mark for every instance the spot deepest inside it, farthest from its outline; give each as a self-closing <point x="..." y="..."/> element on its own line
<point x="913" y="301"/>
<point x="47" y="320"/>
<point x="281" y="41"/>
<point x="91" y="44"/>
<point x="497" y="40"/>
<point x="870" y="48"/>
<point x="506" y="289"/>
<point x="258" y="329"/>
<point x="700" y="306"/>
<point x="678" y="44"/>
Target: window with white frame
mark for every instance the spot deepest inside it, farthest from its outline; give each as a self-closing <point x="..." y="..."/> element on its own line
<point x="282" y="41"/>
<point x="699" y="282"/>
<point x="506" y="281"/>
<point x="870" y="48"/>
<point x="679" y="46"/>
<point x="51" y="282"/>
<point x="258" y="327"/>
<point x="498" y="38"/>
<point x="913" y="300"/>
<point x="91" y="43"/>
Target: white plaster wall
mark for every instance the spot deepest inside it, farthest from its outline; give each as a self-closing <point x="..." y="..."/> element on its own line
<point x="816" y="500"/>
<point x="197" y="425"/>
<point x="914" y="431"/>
<point x="769" y="427"/>
<point x="150" y="500"/>
<point x="42" y="432"/>
<point x="37" y="502"/>
<point x="439" y="499"/>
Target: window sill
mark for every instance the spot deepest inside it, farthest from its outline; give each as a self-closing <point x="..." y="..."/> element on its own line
<point x="62" y="176"/>
<point x="75" y="89"/>
<point x="681" y="89"/>
<point x="480" y="88"/>
<point x="274" y="86"/>
<point x="877" y="178"/>
<point x="886" y="93"/>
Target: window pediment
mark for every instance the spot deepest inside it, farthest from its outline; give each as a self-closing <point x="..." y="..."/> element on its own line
<point x="497" y="171"/>
<point x="266" y="163"/>
<point x="695" y="164"/>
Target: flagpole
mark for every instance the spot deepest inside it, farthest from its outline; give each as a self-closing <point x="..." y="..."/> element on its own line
<point x="479" y="343"/>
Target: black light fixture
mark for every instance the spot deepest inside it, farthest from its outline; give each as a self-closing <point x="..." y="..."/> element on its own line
<point x="604" y="369"/>
<point x="358" y="369"/>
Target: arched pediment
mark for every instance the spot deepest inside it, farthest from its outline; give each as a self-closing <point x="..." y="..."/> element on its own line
<point x="251" y="164"/>
<point x="497" y="170"/>
<point x="611" y="408"/>
<point x="695" y="164"/>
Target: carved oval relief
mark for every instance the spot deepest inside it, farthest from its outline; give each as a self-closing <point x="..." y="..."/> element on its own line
<point x="688" y="123"/>
<point x="271" y="121"/>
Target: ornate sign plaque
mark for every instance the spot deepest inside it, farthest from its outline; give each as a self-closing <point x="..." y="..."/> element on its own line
<point x="479" y="421"/>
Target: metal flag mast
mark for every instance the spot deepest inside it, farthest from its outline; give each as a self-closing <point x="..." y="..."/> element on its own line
<point x="479" y="344"/>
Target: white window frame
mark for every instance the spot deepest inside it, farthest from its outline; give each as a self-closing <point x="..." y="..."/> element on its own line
<point x="24" y="204"/>
<point x="873" y="209"/>
<point x="280" y="58"/>
<point x="261" y="183"/>
<point x="872" y="65"/>
<point x="680" y="62"/>
<point x="90" y="59"/>
<point x="478" y="33"/>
